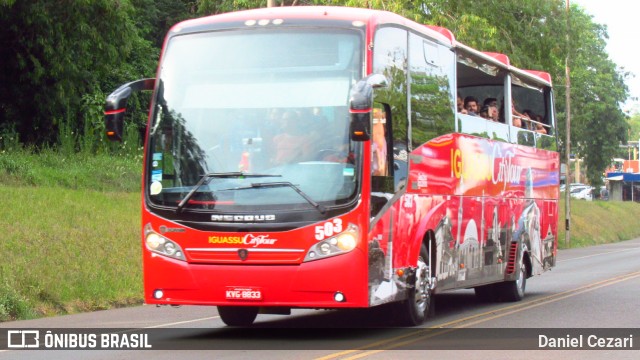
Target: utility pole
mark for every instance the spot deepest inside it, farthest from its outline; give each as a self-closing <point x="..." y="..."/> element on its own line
<point x="567" y="188"/>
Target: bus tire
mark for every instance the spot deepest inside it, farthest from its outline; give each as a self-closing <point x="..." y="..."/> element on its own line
<point x="513" y="291"/>
<point x="238" y="315"/>
<point x="414" y="309"/>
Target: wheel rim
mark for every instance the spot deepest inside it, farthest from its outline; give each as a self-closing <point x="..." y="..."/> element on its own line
<point x="422" y="286"/>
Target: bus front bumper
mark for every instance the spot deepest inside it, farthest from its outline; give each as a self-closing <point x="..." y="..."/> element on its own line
<point x="314" y="284"/>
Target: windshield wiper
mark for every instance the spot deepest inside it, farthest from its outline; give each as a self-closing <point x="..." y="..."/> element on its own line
<point x="208" y="176"/>
<point x="297" y="189"/>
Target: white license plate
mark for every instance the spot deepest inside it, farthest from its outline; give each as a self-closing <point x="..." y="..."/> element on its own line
<point x="243" y="293"/>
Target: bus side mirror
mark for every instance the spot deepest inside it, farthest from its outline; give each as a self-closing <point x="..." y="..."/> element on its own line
<point x="116" y="106"/>
<point x="361" y="105"/>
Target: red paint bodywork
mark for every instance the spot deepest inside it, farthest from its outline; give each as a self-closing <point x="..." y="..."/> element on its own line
<point x="437" y="190"/>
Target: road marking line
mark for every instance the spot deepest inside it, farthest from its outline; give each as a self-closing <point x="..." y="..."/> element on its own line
<point x="393" y="342"/>
<point x="180" y="322"/>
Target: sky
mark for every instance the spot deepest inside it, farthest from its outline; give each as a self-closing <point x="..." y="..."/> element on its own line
<point x="621" y="18"/>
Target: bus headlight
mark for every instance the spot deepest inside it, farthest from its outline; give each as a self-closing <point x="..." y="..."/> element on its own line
<point x="154" y="241"/>
<point x="347" y="241"/>
<point x="336" y="245"/>
<point x="161" y="245"/>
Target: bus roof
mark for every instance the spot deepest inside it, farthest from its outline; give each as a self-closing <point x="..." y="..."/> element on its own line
<point x="371" y="17"/>
<point x="502" y="61"/>
<point x="348" y="15"/>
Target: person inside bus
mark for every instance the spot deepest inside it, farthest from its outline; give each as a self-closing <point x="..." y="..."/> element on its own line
<point x="536" y="124"/>
<point x="460" y="104"/>
<point x="518" y="115"/>
<point x="292" y="144"/>
<point x="490" y="102"/>
<point x="492" y="108"/>
<point x="484" y="112"/>
<point x="494" y="115"/>
<point x="471" y="105"/>
<point x="528" y="114"/>
<point x="539" y="125"/>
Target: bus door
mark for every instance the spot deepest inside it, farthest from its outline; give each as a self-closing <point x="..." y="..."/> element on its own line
<point x="389" y="170"/>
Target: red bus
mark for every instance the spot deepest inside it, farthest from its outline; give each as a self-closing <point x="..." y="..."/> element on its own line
<point x="314" y="157"/>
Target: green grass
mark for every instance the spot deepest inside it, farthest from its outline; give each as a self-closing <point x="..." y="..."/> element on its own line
<point x="70" y="232"/>
<point x="599" y="222"/>
<point x="69" y="250"/>
<point x="99" y="172"/>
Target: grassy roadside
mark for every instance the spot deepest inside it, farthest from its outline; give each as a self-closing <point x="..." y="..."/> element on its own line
<point x="68" y="250"/>
<point x="598" y="222"/>
<point x="48" y="168"/>
<point x="70" y="232"/>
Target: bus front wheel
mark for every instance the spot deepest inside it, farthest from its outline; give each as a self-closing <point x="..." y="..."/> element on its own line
<point x="238" y="315"/>
<point x="413" y="310"/>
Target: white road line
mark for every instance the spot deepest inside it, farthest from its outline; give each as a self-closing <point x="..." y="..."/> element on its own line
<point x="180" y="322"/>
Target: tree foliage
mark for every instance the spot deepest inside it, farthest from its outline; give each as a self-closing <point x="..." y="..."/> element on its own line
<point x="634" y="125"/>
<point x="62" y="56"/>
<point x="56" y="52"/>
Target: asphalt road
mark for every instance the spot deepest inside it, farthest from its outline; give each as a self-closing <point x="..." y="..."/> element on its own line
<point x="591" y="292"/>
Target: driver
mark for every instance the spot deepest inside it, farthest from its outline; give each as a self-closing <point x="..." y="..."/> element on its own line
<point x="292" y="144"/>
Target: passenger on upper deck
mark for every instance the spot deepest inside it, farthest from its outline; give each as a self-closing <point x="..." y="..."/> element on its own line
<point x="490" y="102"/>
<point x="492" y="105"/>
<point x="489" y="112"/>
<point x="484" y="112"/>
<point x="471" y="104"/>
<point x="529" y="125"/>
<point x="539" y="125"/>
<point x="460" y="105"/>
<point x="517" y="117"/>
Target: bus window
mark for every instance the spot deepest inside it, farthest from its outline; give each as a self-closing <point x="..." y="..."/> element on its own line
<point x="382" y="180"/>
<point x="532" y="116"/>
<point x="485" y="82"/>
<point x="431" y="74"/>
<point x="390" y="59"/>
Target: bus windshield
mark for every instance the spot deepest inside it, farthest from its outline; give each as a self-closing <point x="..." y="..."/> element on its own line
<point x="254" y="107"/>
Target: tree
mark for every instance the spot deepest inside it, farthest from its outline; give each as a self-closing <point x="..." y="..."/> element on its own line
<point x="634" y="126"/>
<point x="600" y="124"/>
<point x="154" y="18"/>
<point x="56" y="52"/>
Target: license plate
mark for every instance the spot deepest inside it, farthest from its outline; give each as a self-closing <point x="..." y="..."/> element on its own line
<point x="243" y="293"/>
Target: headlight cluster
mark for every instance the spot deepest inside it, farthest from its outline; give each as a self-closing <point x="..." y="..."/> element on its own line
<point x="161" y="245"/>
<point x="335" y="245"/>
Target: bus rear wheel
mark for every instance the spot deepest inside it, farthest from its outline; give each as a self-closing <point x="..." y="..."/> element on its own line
<point x="413" y="310"/>
<point x="514" y="290"/>
<point x="238" y="315"/>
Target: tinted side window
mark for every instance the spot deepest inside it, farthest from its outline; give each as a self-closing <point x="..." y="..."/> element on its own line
<point x="432" y="106"/>
<point x="390" y="58"/>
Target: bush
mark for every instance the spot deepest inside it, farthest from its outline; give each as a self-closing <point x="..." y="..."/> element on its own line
<point x="13" y="306"/>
